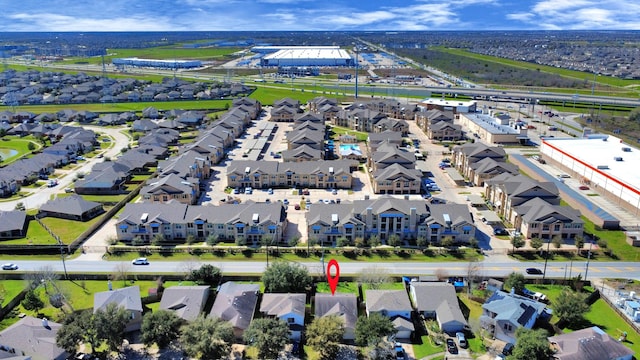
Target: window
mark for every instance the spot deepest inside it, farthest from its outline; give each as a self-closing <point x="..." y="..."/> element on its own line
<point x="466" y="232"/>
<point x="534" y="225"/>
<point x="291" y="320"/>
<point x="316" y="231"/>
<point x="556" y="227"/>
<point x="190" y="225"/>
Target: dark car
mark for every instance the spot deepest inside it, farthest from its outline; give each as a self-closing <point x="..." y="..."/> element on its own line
<point x="451" y="346"/>
<point x="507" y="349"/>
<point x="500" y="231"/>
<point x="534" y="271"/>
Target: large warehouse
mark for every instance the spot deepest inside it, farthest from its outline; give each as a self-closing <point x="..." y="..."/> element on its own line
<point x="603" y="162"/>
<point x="153" y="63"/>
<point x="304" y="56"/>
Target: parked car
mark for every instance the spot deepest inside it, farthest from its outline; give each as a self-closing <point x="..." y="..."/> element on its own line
<point x="9" y="266"/>
<point x="462" y="341"/>
<point x="296" y="206"/>
<point x="334" y="192"/>
<point x="507" y="349"/>
<point x="236" y="191"/>
<point x="140" y="261"/>
<point x="270" y="191"/>
<point x="400" y="354"/>
<point x="451" y="346"/>
<point x="500" y="231"/>
<point x="68" y="190"/>
<point x="533" y="271"/>
<point x="583" y="187"/>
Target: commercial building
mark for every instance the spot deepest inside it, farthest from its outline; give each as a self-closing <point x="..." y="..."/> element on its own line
<point x="602" y="162"/>
<point x="154" y="63"/>
<point x="493" y="129"/>
<point x="304" y="56"/>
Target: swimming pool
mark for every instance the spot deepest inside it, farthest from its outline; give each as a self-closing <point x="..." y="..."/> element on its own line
<point x="348" y="149"/>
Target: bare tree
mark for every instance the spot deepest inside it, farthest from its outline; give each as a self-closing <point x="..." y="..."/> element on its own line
<point x="441" y="274"/>
<point x="189" y="265"/>
<point x="121" y="272"/>
<point x="474" y="272"/>
<point x="43" y="276"/>
<point x="374" y="277"/>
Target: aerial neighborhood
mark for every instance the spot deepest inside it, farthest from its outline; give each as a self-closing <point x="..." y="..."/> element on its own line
<point x="425" y="188"/>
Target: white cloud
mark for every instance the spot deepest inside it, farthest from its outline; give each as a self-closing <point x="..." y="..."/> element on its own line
<point x="56" y="22"/>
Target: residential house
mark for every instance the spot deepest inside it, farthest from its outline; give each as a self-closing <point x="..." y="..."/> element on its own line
<point x="249" y="102"/>
<point x="588" y="344"/>
<point x="32" y="339"/>
<point x="308" y="117"/>
<point x="127" y="298"/>
<point x="283" y="114"/>
<point x="359" y="118"/>
<point x="438" y="300"/>
<point x="302" y="153"/>
<point x="13" y="224"/>
<point x="236" y="303"/>
<point x="187" y="164"/>
<point x="445" y="131"/>
<point x="344" y="306"/>
<point x="504" y="313"/>
<point x="537" y="218"/>
<point x="105" y="180"/>
<point x="73" y="207"/>
<point x="318" y="102"/>
<point x="395" y="305"/>
<point x="312" y="138"/>
<point x="185" y="301"/>
<point x="287" y="307"/>
<point x="388" y="136"/>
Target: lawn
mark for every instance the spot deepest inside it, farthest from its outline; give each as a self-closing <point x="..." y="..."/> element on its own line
<point x="21" y="145"/>
<point x="609" y="321"/>
<point x="360" y="136"/>
<point x="10" y="289"/>
<point x="267" y="96"/>
<point x="159" y="53"/>
<point x="131" y="106"/>
<point x="616" y="241"/>
<point x="426" y="348"/>
<point x="344" y="287"/>
<point x="68" y="230"/>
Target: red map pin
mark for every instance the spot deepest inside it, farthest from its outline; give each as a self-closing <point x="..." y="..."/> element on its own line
<point x="333" y="280"/>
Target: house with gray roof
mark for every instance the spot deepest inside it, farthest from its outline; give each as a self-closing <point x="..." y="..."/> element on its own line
<point x="395" y="305"/>
<point x="358" y="118"/>
<point x="32" y="338"/>
<point x="283" y="113"/>
<point x="103" y="182"/>
<point x="450" y="220"/>
<point x="302" y="153"/>
<point x="312" y="138"/>
<point x="185" y="301"/>
<point x="537" y="218"/>
<point x="396" y="179"/>
<point x="236" y="303"/>
<point x="13" y="224"/>
<point x="588" y="344"/>
<point x="344" y="306"/>
<point x="316" y="103"/>
<point x="445" y="131"/>
<point x="504" y="313"/>
<point x="73" y="207"/>
<point x="127" y="298"/>
<point x="187" y="164"/>
<point x="387" y="154"/>
<point x="489" y="168"/>
<point x="287" y="307"/>
<point x="438" y="300"/>
<point x="249" y="102"/>
<point x="308" y="117"/>
<point x="171" y="187"/>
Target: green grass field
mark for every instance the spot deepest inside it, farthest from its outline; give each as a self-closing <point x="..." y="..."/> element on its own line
<point x="68" y="230"/>
<point x="10" y="289"/>
<point x="21" y="145"/>
<point x="129" y="106"/>
<point x="159" y="53"/>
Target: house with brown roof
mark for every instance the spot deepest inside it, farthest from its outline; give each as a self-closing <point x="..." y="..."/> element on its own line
<point x="185" y="301"/>
<point x="588" y="344"/>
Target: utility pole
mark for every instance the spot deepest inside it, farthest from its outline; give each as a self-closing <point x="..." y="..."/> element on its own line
<point x="546" y="258"/>
<point x="586" y="270"/>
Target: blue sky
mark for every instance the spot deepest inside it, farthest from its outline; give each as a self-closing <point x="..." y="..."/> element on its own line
<point x="232" y="15"/>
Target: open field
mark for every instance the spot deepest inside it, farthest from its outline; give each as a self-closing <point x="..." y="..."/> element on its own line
<point x="68" y="230"/>
<point x="159" y="53"/>
<point x="128" y="106"/>
<point x="21" y="145"/>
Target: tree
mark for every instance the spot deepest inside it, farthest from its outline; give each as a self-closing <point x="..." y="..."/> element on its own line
<point x="394" y="240"/>
<point x="212" y="239"/>
<point x="422" y="242"/>
<point x="557" y="241"/>
<point x="373" y="328"/>
<point x="517" y="241"/>
<point x="268" y="335"/>
<point x="158" y="240"/>
<point x="446" y="241"/>
<point x="516" y="281"/>
<point x="343" y="241"/>
<point x="579" y="242"/>
<point x="32" y="301"/>
<point x="283" y="277"/>
<point x="324" y="335"/>
<point x="207" y="338"/>
<point x="532" y="345"/>
<point x="374" y="241"/>
<point x="374" y="277"/>
<point x="206" y="275"/>
<point x="536" y="243"/>
<point x="109" y="325"/>
<point x="360" y="242"/>
<point x="160" y="327"/>
<point x="77" y="328"/>
<point x="31" y="146"/>
<point x="572" y="307"/>
<point x="190" y="239"/>
<point x="473" y="273"/>
<point x="121" y="272"/>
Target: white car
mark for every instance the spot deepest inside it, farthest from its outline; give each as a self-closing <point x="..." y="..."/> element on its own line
<point x="9" y="266"/>
<point x="140" y="261"/>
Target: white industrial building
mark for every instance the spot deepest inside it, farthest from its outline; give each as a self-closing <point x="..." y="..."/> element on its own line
<point x="304" y="56"/>
<point x="456" y="106"/>
<point x="602" y="162"/>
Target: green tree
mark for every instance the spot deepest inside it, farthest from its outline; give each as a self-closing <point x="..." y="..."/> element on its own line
<point x="557" y="241"/>
<point x="514" y="281"/>
<point x="422" y="242"/>
<point x="394" y="240"/>
<point x="532" y="345"/>
<point x="283" y="277"/>
<point x="572" y="307"/>
<point x="160" y="327"/>
<point x="268" y="335"/>
<point x="31" y="146"/>
<point x="207" y="338"/>
<point x="360" y="242"/>
<point x="536" y="243"/>
<point x="207" y="274"/>
<point x="343" y="241"/>
<point x="109" y="325"/>
<point x="517" y="242"/>
<point x="372" y="329"/>
<point x="324" y="335"/>
<point x="77" y="328"/>
<point x="190" y="239"/>
<point x="446" y="241"/>
<point x="212" y="239"/>
<point x="579" y="242"/>
<point x="374" y="241"/>
<point x="158" y="240"/>
<point x="32" y="301"/>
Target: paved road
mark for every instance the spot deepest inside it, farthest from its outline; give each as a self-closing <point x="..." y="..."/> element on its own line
<point x="554" y="270"/>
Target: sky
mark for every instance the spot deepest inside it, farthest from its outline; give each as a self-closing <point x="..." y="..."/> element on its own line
<point x="315" y="15"/>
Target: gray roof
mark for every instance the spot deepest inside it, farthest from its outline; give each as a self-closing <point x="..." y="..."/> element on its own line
<point x="390" y="204"/>
<point x="128" y="298"/>
<point x="458" y="214"/>
<point x="438" y="297"/>
<point x="282" y="304"/>
<point x="389" y="300"/>
<point x="171" y="184"/>
<point x="387" y="135"/>
<point x="30" y="336"/>
<point x="236" y="303"/>
<point x="186" y="301"/>
<point x="513" y="308"/>
<point x="397" y="172"/>
<point x="538" y="210"/>
<point x="12" y="220"/>
<point x="492" y="167"/>
<point x="73" y="205"/>
<point x="588" y="344"/>
<point x="344" y="306"/>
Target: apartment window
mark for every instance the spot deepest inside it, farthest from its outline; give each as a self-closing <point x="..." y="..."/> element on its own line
<point x="534" y="225"/>
<point x="556" y="227"/>
<point x="240" y="230"/>
<point x="316" y="231"/>
<point x="434" y="230"/>
<point x="190" y="225"/>
<point x="466" y="232"/>
<point x="291" y="320"/>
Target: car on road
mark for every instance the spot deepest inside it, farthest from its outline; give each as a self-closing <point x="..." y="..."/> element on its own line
<point x="326" y="201"/>
<point x="9" y="266"/>
<point x="68" y="190"/>
<point x="270" y="191"/>
<point x="533" y="271"/>
<point x="140" y="261"/>
<point x="564" y="176"/>
<point x="451" y="346"/>
<point x="334" y="192"/>
<point x="583" y="187"/>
